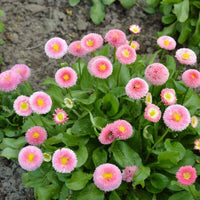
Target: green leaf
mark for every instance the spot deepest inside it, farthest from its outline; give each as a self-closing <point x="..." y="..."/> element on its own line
<point x="88" y="100"/>
<point x="2" y="13"/>
<point x="13" y="143"/>
<point x="170" y="1"/>
<point x="74" y="140"/>
<point x="2" y="42"/>
<point x="185" y="32"/>
<point x="1" y="59"/>
<point x="10" y="153"/>
<point x="124" y="76"/>
<point x="2" y="27"/>
<point x="151" y="60"/>
<point x="99" y="156"/>
<point x="82" y="155"/>
<point x="108" y="2"/>
<point x="114" y="196"/>
<point x="169" y="30"/>
<point x="73" y="2"/>
<point x="165" y="8"/>
<point x="195" y="39"/>
<point x="181" y="10"/>
<point x="105" y="51"/>
<point x="167" y="157"/>
<point x="196" y="4"/>
<point x="168" y="19"/>
<point x="100" y="122"/>
<point x="181" y="196"/>
<point x="159" y="181"/>
<point x="49" y="81"/>
<point x="149" y="10"/>
<point x="64" y="192"/>
<point x="127" y="3"/>
<point x="171" y="64"/>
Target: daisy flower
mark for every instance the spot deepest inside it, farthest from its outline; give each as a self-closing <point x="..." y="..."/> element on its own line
<point x="191" y="78"/>
<point x="166" y="42"/>
<point x="135" y="45"/>
<point x="148" y="99"/>
<point x="128" y="173"/>
<point x="194" y="121"/>
<point x="64" y="160"/>
<point x="135" y="29"/>
<point x="107" y="177"/>
<point x="152" y="113"/>
<point x="68" y="103"/>
<point x="30" y="158"/>
<point x="197" y="144"/>
<point x="76" y="49"/>
<point x="168" y="96"/>
<point x="60" y="116"/>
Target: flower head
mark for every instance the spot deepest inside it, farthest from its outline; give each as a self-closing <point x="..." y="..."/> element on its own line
<point x="177" y="117"/>
<point x="107" y="177"/>
<point x="168" y="96"/>
<point x="194" y="121"/>
<point x="135" y="45"/>
<point x="30" y="158"/>
<point x="60" y="116"/>
<point x="197" y="144"/>
<point x="152" y="113"/>
<point x="76" y="49"/>
<point x="128" y="173"/>
<point x="47" y="157"/>
<point x="135" y="29"/>
<point x="68" y="103"/>
<point x="148" y="99"/>
<point x="64" y="160"/>
<point x="166" y="42"/>
<point x="191" y="78"/>
<point x="156" y="74"/>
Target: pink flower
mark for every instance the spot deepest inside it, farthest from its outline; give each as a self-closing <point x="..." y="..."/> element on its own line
<point x="40" y="102"/>
<point x="56" y="48"/>
<point x="23" y="70"/>
<point x="194" y="121"/>
<point x="64" y="160"/>
<point x="156" y="74"/>
<point x="128" y="173"/>
<point x="60" y="116"/>
<point x="135" y="45"/>
<point x="152" y="113"/>
<point x="186" y="175"/>
<point x="100" y="67"/>
<point x="30" y="158"/>
<point x="122" y="129"/>
<point x="177" y="117"/>
<point x="148" y="99"/>
<point x="22" y="106"/>
<point x="115" y="37"/>
<point x="66" y="77"/>
<point x="191" y="78"/>
<point x="166" y="42"/>
<point x="107" y="177"/>
<point x="76" y="49"/>
<point x="137" y="88"/>
<point x="106" y="136"/>
<point x="126" y="54"/>
<point x="91" y="42"/>
<point x="135" y="29"/>
<point x="9" y="80"/>
<point x="168" y="96"/>
<point x="36" y="135"/>
<point x="197" y="144"/>
<point x="186" y="56"/>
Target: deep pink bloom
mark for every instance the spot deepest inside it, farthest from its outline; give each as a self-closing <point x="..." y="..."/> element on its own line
<point x="186" y="56"/>
<point x="76" y="49"/>
<point x="30" y="158"/>
<point x="56" y="48"/>
<point x="191" y="78"/>
<point x="177" y="117"/>
<point x="60" y="116"/>
<point x="107" y="177"/>
<point x="194" y="121"/>
<point x="128" y="173"/>
<point x="197" y="144"/>
<point x="152" y="113"/>
<point x="168" y="96"/>
<point x="135" y="29"/>
<point x="66" y="77"/>
<point x="137" y="88"/>
<point x="40" y="102"/>
<point x="135" y="45"/>
<point x="64" y="160"/>
<point x="22" y="106"/>
<point x="186" y="175"/>
<point x="166" y="42"/>
<point x="148" y="99"/>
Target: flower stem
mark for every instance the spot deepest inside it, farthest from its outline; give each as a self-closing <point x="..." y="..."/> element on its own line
<point x="114" y="55"/>
<point x="43" y="122"/>
<point x="120" y="66"/>
<point x="162" y="56"/>
<point x="192" y="193"/>
<point x="70" y="94"/>
<point x="28" y="87"/>
<point x="79" y="67"/>
<point x="131" y="39"/>
<point x="178" y="72"/>
<point x="94" y="54"/>
<point x="185" y="94"/>
<point x="59" y="63"/>
<point x="17" y="92"/>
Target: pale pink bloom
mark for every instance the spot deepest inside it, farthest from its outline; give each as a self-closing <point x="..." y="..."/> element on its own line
<point x="186" y="56"/>
<point x="23" y="70"/>
<point x="115" y="37"/>
<point x="152" y="113"/>
<point x="191" y="78"/>
<point x="168" y="96"/>
<point x="194" y="121"/>
<point x="106" y="136"/>
<point x="56" y="48"/>
<point x="40" y="102"/>
<point x="148" y="99"/>
<point x="76" y="49"/>
<point x="22" y="106"/>
<point x="186" y="175"/>
<point x="156" y="74"/>
<point x="9" y="80"/>
<point x="91" y="42"/>
<point x="177" y="117"/>
<point x="30" y="158"/>
<point x="166" y="42"/>
<point x="135" y="45"/>
<point x="100" y="67"/>
<point x="107" y="177"/>
<point x="66" y="77"/>
<point x="135" y="29"/>
<point x="126" y="54"/>
<point x="60" y="116"/>
<point x="122" y="129"/>
<point x="137" y="88"/>
<point x="64" y="160"/>
<point x="197" y="144"/>
<point x="128" y="173"/>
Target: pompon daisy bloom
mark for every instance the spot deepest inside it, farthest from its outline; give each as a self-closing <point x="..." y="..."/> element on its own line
<point x="166" y="42"/>
<point x="106" y="136"/>
<point x="128" y="173"/>
<point x="76" y="49"/>
<point x="156" y="74"/>
<point x="107" y="177"/>
<point x="66" y="77"/>
<point x="194" y="121"/>
<point x="191" y="78"/>
<point x="135" y="45"/>
<point x="30" y="158"/>
<point x="148" y="99"/>
<point x="91" y="42"/>
<point x="60" y="116"/>
<point x="36" y="135"/>
<point x="122" y="129"/>
<point x="197" y="144"/>
<point x="137" y="88"/>
<point x="40" y="102"/>
<point x="115" y="37"/>
<point x="186" y="175"/>
<point x="64" y="160"/>
<point x="56" y="48"/>
<point x="177" y="117"/>
<point x="100" y="67"/>
<point x="68" y="103"/>
<point x="152" y="113"/>
<point x="168" y="96"/>
<point x="186" y="56"/>
<point x="9" y="80"/>
<point x="135" y="29"/>
<point x="22" y="106"/>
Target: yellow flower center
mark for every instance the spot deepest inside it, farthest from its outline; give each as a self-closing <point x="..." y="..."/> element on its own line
<point x="36" y="135"/>
<point x="7" y="77"/>
<point x="40" y="102"/>
<point x="90" y="43"/>
<point x="102" y="67"/>
<point x="56" y="47"/>
<point x="152" y="113"/>
<point x="135" y="30"/>
<point x="167" y="96"/>
<point x="18" y="71"/>
<point x="24" y="106"/>
<point x="193" y="120"/>
<point x="31" y="157"/>
<point x="66" y="77"/>
<point x="133" y="46"/>
<point x="198" y="144"/>
<point x="126" y="53"/>
<point x="60" y="116"/>
<point x="193" y="76"/>
<point x="177" y="117"/>
<point x="186" y="56"/>
<point x="137" y="85"/>
<point x="78" y="47"/>
<point x="64" y="160"/>
<point x="186" y="175"/>
<point x="166" y="42"/>
<point x="116" y="35"/>
<point x="107" y="176"/>
<point x="121" y="128"/>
